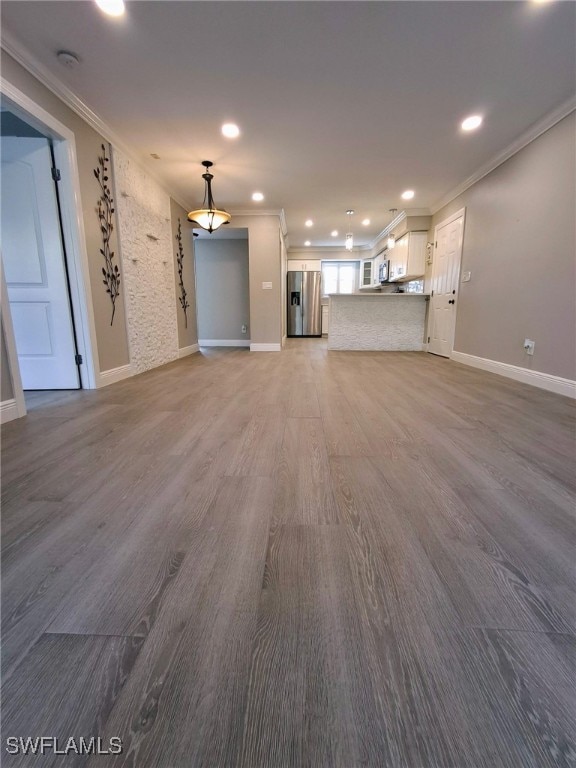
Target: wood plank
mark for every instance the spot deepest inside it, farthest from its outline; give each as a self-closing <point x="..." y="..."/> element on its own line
<point x="184" y="702"/>
<point x="303" y="490"/>
<point x="66" y="686"/>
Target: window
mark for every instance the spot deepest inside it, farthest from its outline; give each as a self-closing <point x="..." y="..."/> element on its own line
<point x="339" y="277"/>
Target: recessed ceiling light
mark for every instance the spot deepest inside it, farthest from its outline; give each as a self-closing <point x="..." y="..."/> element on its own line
<point x="471" y="123"/>
<point x="334" y="233"/>
<point x="365" y="222"/>
<point x="257" y="197"/>
<point x="408" y="195"/>
<point x="111" y="7"/>
<point x="307" y="242"/>
<point x="230" y="130"/>
<point x="309" y="223"/>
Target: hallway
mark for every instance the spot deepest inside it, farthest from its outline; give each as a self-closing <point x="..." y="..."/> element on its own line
<point x="309" y="558"/>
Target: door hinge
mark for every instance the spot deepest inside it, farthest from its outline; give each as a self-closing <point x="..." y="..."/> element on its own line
<point x="436" y="244"/>
<point x="56" y="174"/>
<point x="432" y="294"/>
<point x="428" y="339"/>
<point x="78" y="359"/>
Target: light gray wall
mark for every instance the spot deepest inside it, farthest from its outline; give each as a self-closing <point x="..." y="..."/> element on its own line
<point x="519" y="245"/>
<point x="6" y="389"/>
<point x="265" y="266"/>
<point x="222" y="289"/>
<point x="187" y="325"/>
<point x="112" y="341"/>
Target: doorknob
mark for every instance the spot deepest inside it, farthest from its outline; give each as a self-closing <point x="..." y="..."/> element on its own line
<point x="452" y="301"/>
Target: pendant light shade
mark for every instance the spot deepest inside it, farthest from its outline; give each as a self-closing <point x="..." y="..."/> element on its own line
<point x="349" y="241"/>
<point x="209" y="217"/>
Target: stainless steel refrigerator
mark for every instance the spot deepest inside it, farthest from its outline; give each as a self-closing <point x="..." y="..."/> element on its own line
<point x="304" y="307"/>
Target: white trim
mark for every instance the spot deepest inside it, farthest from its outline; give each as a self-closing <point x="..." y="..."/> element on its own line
<point x="259" y="212"/>
<point x="11" y="351"/>
<point x="283" y="224"/>
<point x="223" y="342"/>
<point x="284" y="339"/>
<point x="113" y="375"/>
<point x="72" y="225"/>
<point x="449" y="220"/>
<point x="9" y="411"/>
<point x="265" y="347"/>
<point x="185" y="351"/>
<point x="41" y="73"/>
<point x="539" y="379"/>
<point x="525" y="138"/>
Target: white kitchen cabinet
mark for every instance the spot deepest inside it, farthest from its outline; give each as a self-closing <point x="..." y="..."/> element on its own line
<point x="311" y="265"/>
<point x="376" y="270"/>
<point x="366" y="273"/>
<point x="408" y="257"/>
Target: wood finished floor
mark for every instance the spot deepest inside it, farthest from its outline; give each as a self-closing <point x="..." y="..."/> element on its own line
<point x="301" y="559"/>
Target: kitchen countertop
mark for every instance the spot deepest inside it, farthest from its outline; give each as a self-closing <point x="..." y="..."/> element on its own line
<point x="375" y="295"/>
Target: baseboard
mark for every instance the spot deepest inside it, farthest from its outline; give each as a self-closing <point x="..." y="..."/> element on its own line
<point x="185" y="351"/>
<point x="8" y="411"/>
<point x="113" y="375"/>
<point x="556" y="384"/>
<point x="224" y="342"/>
<point x="265" y="347"/>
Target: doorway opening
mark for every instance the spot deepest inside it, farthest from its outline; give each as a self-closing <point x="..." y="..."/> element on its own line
<point x="28" y="253"/>
<point x="223" y="288"/>
<point x="34" y="259"/>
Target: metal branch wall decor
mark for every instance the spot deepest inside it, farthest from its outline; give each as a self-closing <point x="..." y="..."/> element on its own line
<point x="183" y="298"/>
<point x="105" y="210"/>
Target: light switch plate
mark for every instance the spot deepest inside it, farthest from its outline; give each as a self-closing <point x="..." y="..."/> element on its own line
<point x="466" y="276"/>
<point x="266" y="286"/>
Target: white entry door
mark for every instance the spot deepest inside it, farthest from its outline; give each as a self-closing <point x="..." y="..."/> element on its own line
<point x="34" y="267"/>
<point x="444" y="294"/>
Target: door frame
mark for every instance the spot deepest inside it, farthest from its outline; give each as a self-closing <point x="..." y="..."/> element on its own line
<point x="448" y="220"/>
<point x="73" y="231"/>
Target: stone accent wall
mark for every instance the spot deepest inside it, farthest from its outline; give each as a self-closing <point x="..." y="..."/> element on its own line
<point x="145" y="235"/>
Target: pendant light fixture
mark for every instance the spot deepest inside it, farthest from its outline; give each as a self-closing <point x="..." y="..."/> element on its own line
<point x="391" y="242"/>
<point x="209" y="217"/>
<point x="349" y="242"/>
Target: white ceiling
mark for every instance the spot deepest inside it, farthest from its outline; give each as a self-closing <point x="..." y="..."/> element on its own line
<point x="341" y="104"/>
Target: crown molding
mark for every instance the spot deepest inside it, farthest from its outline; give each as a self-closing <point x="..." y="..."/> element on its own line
<point x="525" y="138"/>
<point x="23" y="57"/>
<point x="247" y="212"/>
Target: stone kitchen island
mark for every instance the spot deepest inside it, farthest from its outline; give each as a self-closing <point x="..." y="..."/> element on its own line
<point x="378" y="321"/>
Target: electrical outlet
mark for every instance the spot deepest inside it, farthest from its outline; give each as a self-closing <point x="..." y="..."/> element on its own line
<point x="529" y="346"/>
<point x="244" y="328"/>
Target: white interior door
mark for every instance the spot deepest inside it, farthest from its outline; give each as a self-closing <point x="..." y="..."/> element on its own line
<point x="34" y="267"/>
<point x="444" y="295"/>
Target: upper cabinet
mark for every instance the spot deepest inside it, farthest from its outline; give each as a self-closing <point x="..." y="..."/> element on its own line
<point x="366" y="273"/>
<point x="313" y="265"/>
<point x="408" y="257"/>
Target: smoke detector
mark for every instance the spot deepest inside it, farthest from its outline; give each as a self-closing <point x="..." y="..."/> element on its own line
<point x="68" y="59"/>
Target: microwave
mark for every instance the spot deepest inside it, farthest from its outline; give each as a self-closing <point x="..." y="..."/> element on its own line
<point x="384" y="271"/>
